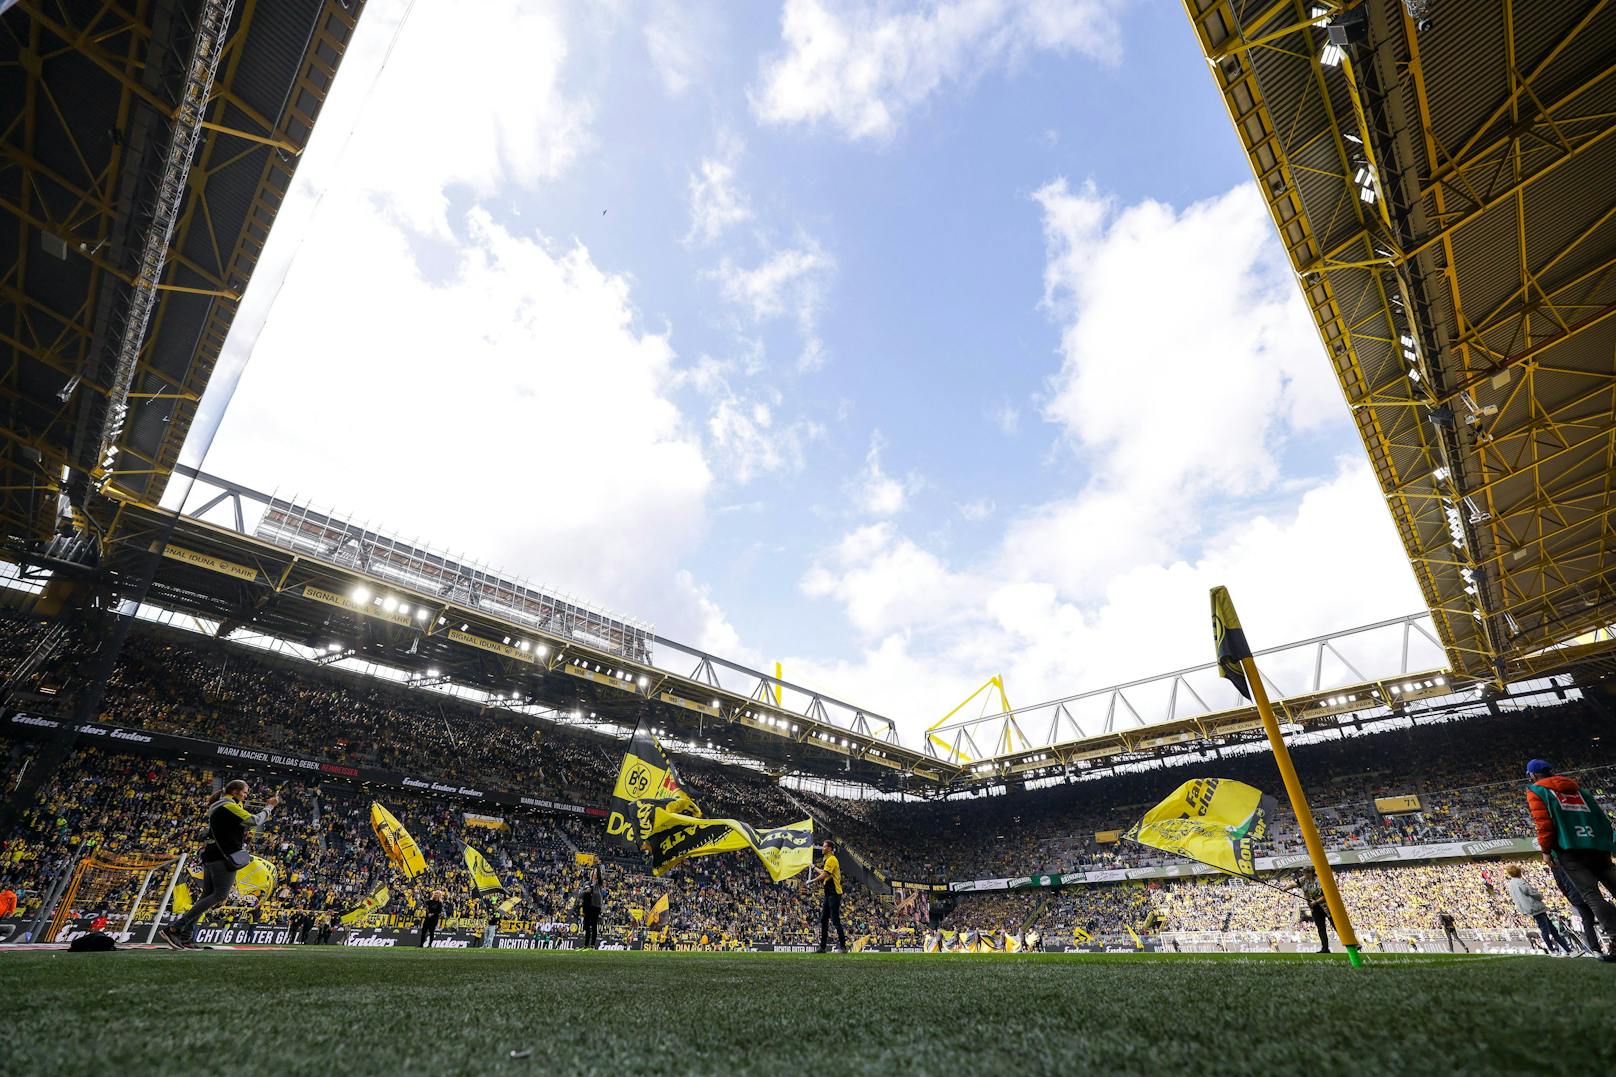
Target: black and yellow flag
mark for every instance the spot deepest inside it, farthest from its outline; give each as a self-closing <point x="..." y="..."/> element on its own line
<point x="1212" y="821"/>
<point x="396" y="842"/>
<point x="674" y="838"/>
<point x="1231" y="640"/>
<point x="482" y="873"/>
<point x="646" y="781"/>
<point x="374" y="902"/>
<point x="659" y="909"/>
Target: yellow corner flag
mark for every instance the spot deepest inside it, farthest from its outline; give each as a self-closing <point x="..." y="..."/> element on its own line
<point x="1210" y="820"/>
<point x="1235" y="662"/>
<point x="396" y="842"/>
<point x="1231" y="640"/>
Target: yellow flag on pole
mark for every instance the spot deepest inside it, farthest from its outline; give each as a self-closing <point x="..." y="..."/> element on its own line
<point x="374" y="902"/>
<point x="482" y="873"/>
<point x="1210" y="820"/>
<point x="784" y="850"/>
<point x="396" y="842"/>
<point x="658" y="910"/>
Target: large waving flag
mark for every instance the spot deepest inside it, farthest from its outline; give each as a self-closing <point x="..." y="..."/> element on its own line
<point x="658" y="910"/>
<point x="482" y="873"/>
<point x="785" y="850"/>
<point x="375" y="901"/>
<point x="396" y="842"/>
<point x="646" y="780"/>
<point x="652" y="811"/>
<point x="1210" y="820"/>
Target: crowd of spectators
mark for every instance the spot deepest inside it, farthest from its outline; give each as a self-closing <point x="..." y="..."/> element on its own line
<point x="321" y="843"/>
<point x="1471" y="793"/>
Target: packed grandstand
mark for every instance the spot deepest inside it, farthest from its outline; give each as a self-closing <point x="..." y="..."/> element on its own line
<point x="1042" y="866"/>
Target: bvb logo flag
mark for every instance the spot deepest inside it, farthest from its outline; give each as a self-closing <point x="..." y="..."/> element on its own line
<point x="376" y="900"/>
<point x="482" y="873"/>
<point x="396" y="842"/>
<point x="646" y="780"/>
<point x="1231" y="640"/>
<point x="785" y="850"/>
<point x="1210" y="820"/>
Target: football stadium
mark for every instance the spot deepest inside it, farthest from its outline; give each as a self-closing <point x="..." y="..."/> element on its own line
<point x="289" y="790"/>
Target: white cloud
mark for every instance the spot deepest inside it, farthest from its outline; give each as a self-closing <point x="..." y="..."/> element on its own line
<point x="1182" y="389"/>
<point x="748" y="442"/>
<point x="460" y="401"/>
<point x="1208" y="365"/>
<point x="876" y="493"/>
<point x="504" y="120"/>
<point x="980" y="509"/>
<point x="790" y="281"/>
<point x="860" y="67"/>
<point x="443" y="402"/>
<point x="1007" y="417"/>
<point x="716" y="202"/>
<point x="680" y="38"/>
<point x="933" y="631"/>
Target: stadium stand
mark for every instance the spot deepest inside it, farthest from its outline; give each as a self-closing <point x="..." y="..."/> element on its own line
<point x="320" y="840"/>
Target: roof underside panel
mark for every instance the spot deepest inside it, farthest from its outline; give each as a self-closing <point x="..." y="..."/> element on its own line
<point x="80" y="163"/>
<point x="1444" y="194"/>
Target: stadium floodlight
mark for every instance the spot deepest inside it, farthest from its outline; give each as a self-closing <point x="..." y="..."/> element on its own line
<point x="577" y="715"/>
<point x="389" y="603"/>
<point x="507" y="641"/>
<point x="333" y="647"/>
<point x="643" y="680"/>
<point x="403" y="609"/>
<point x="1332" y="55"/>
<point x="433" y="672"/>
<point x="422" y="613"/>
<point x="361" y="594"/>
<point x="542" y="651"/>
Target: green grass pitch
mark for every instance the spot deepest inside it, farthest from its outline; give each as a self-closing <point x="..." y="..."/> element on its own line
<point x="324" y="1011"/>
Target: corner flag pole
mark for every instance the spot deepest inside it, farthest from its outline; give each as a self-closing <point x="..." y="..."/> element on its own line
<point x="1232" y="648"/>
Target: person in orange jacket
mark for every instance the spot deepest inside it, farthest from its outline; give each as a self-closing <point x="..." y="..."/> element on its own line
<point x="1574" y="832"/>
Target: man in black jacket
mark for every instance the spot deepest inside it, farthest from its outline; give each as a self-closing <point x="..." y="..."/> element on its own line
<point x="592" y="901"/>
<point x="225" y="853"/>
<point x="433" y="908"/>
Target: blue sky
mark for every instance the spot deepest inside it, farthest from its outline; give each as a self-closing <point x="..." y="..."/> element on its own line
<point x="905" y="344"/>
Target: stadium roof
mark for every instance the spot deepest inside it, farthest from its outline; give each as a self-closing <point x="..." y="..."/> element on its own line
<point x="1440" y="176"/>
<point x="138" y="182"/>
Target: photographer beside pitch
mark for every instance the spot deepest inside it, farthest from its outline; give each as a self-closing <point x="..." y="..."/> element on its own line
<point x="223" y="855"/>
<point x="1575" y="834"/>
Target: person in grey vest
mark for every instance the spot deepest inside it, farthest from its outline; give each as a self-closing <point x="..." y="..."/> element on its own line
<point x="1529" y="901"/>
